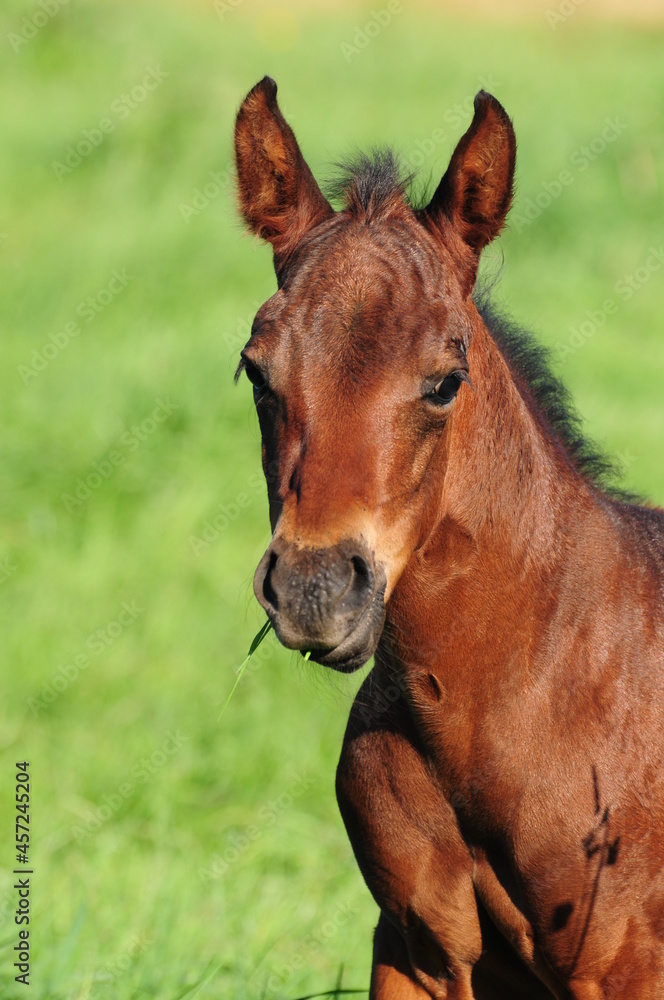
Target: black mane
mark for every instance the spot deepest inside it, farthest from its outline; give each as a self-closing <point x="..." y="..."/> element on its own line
<point x="531" y="362"/>
<point x="370" y="185"/>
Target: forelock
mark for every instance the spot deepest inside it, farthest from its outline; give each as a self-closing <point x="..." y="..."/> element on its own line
<point x="371" y="185"/>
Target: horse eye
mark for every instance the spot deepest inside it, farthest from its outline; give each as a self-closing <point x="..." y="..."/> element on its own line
<point x="446" y="390"/>
<point x="255" y="375"/>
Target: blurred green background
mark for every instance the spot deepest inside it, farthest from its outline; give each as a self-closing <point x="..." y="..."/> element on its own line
<point x="176" y="854"/>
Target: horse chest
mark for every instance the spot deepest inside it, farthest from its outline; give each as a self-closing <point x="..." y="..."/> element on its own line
<point x="473" y="746"/>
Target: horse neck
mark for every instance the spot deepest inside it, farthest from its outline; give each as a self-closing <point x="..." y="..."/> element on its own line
<point x="508" y="482"/>
<point x="509" y="502"/>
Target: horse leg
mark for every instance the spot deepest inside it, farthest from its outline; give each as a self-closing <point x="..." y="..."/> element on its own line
<point x="500" y="974"/>
<point x="391" y="974"/>
<point x="432" y="939"/>
<point x="414" y="861"/>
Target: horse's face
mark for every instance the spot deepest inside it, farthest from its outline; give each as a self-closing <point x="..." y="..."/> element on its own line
<point x="354" y="384"/>
<point x="356" y="363"/>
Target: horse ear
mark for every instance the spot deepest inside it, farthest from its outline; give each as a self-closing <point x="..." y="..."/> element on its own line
<point x="471" y="202"/>
<point x="279" y="198"/>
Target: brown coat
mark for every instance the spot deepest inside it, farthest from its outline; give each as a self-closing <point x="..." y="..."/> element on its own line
<point x="501" y="777"/>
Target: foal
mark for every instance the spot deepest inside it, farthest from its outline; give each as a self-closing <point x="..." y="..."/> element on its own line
<point x="433" y="504"/>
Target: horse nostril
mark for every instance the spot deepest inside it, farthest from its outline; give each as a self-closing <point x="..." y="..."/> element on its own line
<point x="269" y="592"/>
<point x="363" y="578"/>
<point x="315" y="597"/>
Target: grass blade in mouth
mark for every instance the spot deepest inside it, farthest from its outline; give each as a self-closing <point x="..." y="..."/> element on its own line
<point x="257" y="640"/>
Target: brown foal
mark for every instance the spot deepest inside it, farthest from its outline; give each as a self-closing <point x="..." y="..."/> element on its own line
<point x="433" y="503"/>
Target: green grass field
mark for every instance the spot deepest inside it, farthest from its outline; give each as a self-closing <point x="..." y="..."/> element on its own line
<point x="176" y="855"/>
